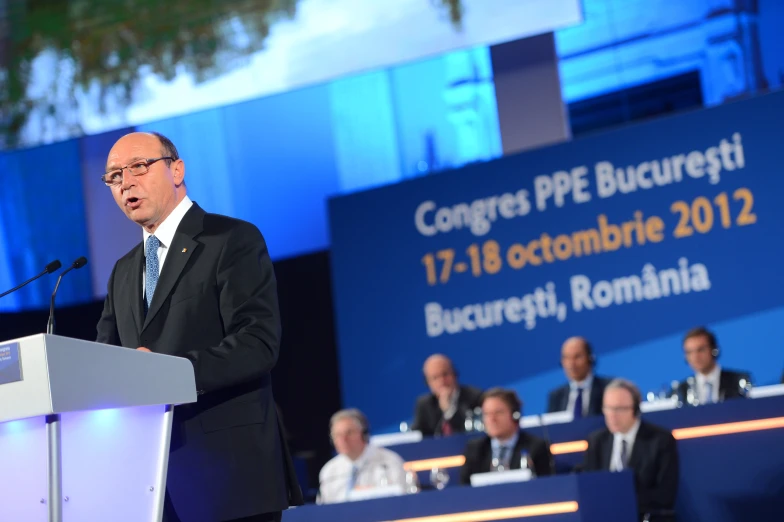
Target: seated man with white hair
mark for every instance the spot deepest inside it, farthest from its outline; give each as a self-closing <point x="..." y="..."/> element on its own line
<point x="358" y="464"/>
<point x="628" y="442"/>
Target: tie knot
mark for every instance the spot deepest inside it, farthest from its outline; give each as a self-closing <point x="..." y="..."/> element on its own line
<point x="151" y="248"/>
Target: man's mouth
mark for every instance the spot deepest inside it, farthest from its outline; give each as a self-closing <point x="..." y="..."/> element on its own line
<point x="133" y="203"/>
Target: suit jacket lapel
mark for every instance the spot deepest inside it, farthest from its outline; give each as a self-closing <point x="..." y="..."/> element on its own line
<point x="487" y="455"/>
<point x="177" y="256"/>
<point x="607" y="448"/>
<point x="729" y="385"/>
<point x="639" y="443"/>
<point x="595" y="404"/>
<point x="522" y="444"/>
<point x="134" y="282"/>
<point x="565" y="397"/>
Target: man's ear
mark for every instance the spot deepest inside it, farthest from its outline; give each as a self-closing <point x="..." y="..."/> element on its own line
<point x="178" y="172"/>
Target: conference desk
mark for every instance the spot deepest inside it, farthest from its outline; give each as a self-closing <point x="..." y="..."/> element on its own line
<point x="731" y="456"/>
<point x="588" y="497"/>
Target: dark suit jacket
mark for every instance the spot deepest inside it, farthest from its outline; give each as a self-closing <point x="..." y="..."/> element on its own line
<point x="654" y="460"/>
<point x="216" y="304"/>
<point x="479" y="456"/>
<point x="728" y="385"/>
<point x="558" y="399"/>
<point x="428" y="416"/>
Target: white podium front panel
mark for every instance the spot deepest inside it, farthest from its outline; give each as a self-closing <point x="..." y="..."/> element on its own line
<point x="23" y="471"/>
<point x="112" y="464"/>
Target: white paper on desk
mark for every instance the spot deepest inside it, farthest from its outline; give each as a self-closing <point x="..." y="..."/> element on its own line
<point x="500" y="477"/>
<point x="659" y="405"/>
<point x="393" y="439"/>
<point x="556" y="417"/>
<point x="376" y="492"/>
<point x="766" y="391"/>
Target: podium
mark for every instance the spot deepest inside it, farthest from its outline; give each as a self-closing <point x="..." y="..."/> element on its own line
<point x="85" y="429"/>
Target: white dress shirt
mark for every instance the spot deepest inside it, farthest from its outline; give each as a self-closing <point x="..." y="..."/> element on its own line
<point x="376" y="467"/>
<point x="618" y="438"/>
<point x="586" y="385"/>
<point x="165" y="234"/>
<point x="509" y="445"/>
<point x="713" y="378"/>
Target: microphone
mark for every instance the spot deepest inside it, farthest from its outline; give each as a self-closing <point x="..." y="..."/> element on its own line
<point x="79" y="263"/>
<point x="546" y="436"/>
<point x="51" y="267"/>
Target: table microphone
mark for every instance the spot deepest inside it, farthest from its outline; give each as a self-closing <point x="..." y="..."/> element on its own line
<point x="79" y="263"/>
<point x="51" y="267"/>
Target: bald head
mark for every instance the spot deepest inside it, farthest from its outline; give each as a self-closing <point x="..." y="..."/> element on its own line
<point x="575" y="358"/>
<point x="439" y="374"/>
<point x="149" y="198"/>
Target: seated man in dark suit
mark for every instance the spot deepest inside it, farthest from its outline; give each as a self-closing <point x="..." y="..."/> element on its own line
<point x="583" y="394"/>
<point x="443" y="411"/>
<point x="504" y="443"/>
<point x="711" y="383"/>
<point x="628" y="442"/>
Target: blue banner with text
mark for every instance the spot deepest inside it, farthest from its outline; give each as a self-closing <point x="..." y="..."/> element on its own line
<point x="628" y="238"/>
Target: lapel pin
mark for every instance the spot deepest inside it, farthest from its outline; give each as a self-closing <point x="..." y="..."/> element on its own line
<point x="184" y="250"/>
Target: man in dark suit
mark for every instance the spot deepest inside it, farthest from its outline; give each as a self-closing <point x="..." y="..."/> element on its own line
<point x="582" y="395"/>
<point x="628" y="442"/>
<point x="504" y="443"/>
<point x="202" y="286"/>
<point x="443" y="411"/>
<point x="710" y="383"/>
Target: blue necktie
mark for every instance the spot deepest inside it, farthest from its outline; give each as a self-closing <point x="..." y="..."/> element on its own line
<point x="624" y="457"/>
<point x="502" y="454"/>
<point x="152" y="269"/>
<point x="352" y="480"/>
<point x="578" y="404"/>
<point x="708" y="393"/>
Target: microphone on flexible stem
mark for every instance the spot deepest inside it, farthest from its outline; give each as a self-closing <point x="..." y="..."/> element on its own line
<point x="79" y="263"/>
<point x="546" y="436"/>
<point x="51" y="267"/>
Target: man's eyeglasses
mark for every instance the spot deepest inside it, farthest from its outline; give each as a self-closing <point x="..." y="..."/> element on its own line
<point x="137" y="168"/>
<point x="617" y="409"/>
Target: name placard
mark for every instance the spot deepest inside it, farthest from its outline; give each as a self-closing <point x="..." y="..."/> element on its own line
<point x="10" y="363"/>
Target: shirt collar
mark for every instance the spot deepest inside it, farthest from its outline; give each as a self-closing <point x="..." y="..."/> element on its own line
<point x="712" y="377"/>
<point x="363" y="458"/>
<point x="630" y="435"/>
<point x="507" y="443"/>
<point x="165" y="231"/>
<point x="585" y="383"/>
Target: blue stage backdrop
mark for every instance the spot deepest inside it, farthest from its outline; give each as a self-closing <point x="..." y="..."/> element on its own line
<point x="628" y="238"/>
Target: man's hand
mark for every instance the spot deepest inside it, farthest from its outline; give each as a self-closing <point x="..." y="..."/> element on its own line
<point x="445" y="400"/>
<point x="143" y="349"/>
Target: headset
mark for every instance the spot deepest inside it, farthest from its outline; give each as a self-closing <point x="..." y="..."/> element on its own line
<point x="356" y="415"/>
<point x="589" y="352"/>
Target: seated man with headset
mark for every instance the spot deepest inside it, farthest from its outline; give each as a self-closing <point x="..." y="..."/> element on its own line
<point x="711" y="383"/>
<point x="630" y="443"/>
<point x="444" y="410"/>
<point x="582" y="395"/>
<point x="358" y="464"/>
<point x="504" y="442"/>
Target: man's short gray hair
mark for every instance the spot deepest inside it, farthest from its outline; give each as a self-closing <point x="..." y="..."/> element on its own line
<point x="630" y="387"/>
<point x="350" y="413"/>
